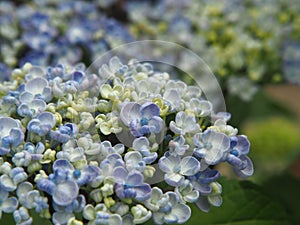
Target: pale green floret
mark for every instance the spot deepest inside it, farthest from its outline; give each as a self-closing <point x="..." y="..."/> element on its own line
<point x="221" y="126"/>
<point x="74" y="221"/>
<point x="149" y="172"/>
<point x="86" y="120"/>
<point x="112" y="93"/>
<point x="108" y="124"/>
<point x="140" y="214"/>
<point x="49" y="156"/>
<point x="215" y="198"/>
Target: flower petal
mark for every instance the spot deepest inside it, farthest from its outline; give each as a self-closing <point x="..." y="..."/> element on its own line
<point x="36" y="85"/>
<point x="6" y="124"/>
<point x="47" y="118"/>
<point x="182" y="212"/>
<point x="243" y="144"/>
<point x="89" y="212"/>
<point x="26" y="97"/>
<point x="62" y="164"/>
<point x="140" y="143"/>
<point x="38" y="105"/>
<point x="115" y="219"/>
<point x="24" y="188"/>
<point x="120" y="174"/>
<point x="248" y="171"/>
<point x="155" y="124"/>
<point x="203" y="204"/>
<point x="143" y="192"/>
<point x="61" y="217"/>
<point x="3" y="194"/>
<point x="149" y="110"/>
<point x="215" y="200"/>
<point x="17" y="136"/>
<point x="134" y="178"/>
<point x="7" y="183"/>
<point x="129" y="112"/>
<point x="174" y="179"/>
<point x="189" y="166"/>
<point x="9" y="205"/>
<point x="65" y="193"/>
<point x="167" y="164"/>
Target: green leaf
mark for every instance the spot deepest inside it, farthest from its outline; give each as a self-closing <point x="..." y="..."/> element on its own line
<point x="37" y="220"/>
<point x="244" y="203"/>
<point x="285" y="188"/>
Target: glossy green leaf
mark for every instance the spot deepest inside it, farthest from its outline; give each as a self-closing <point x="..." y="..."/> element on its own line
<point x="244" y="203"/>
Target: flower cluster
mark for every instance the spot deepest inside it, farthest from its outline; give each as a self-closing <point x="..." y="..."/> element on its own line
<point x="245" y="42"/>
<point x="123" y="146"/>
<point x="45" y="32"/>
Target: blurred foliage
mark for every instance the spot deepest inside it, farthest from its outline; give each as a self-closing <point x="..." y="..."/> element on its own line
<point x="261" y="106"/>
<point x="285" y="189"/>
<point x="243" y="203"/>
<point x="275" y="143"/>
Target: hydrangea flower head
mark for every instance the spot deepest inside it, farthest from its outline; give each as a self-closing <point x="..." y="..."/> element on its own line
<point x="89" y="148"/>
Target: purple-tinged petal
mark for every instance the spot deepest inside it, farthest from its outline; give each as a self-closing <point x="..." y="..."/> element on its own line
<point x="47" y="94"/>
<point x="221" y="115"/>
<point x="174" y="179"/>
<point x="203" y="204"/>
<point x="174" y="128"/>
<point x="4" y="151"/>
<point x="134" y="178"/>
<point x="149" y="110"/>
<point x="9" y="205"/>
<point x="17" y="136"/>
<point x="134" y="161"/>
<point x="208" y="176"/>
<point x="202" y="188"/>
<point x="77" y="76"/>
<point x="7" y="184"/>
<point x="243" y="144"/>
<point x="46" y="185"/>
<point x="36" y="85"/>
<point x="38" y="105"/>
<point x="47" y="118"/>
<point x="143" y="192"/>
<point x="167" y="164"/>
<point x="246" y="172"/>
<point x="6" y="124"/>
<point x="182" y="212"/>
<point x="62" y="164"/>
<point x="173" y="197"/>
<point x="189" y="166"/>
<point x="150" y="158"/>
<point x="120" y="173"/>
<point x="65" y="193"/>
<point x="26" y="97"/>
<point x="3" y="195"/>
<point x="155" y="124"/>
<point x="57" y="136"/>
<point x="130" y="111"/>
